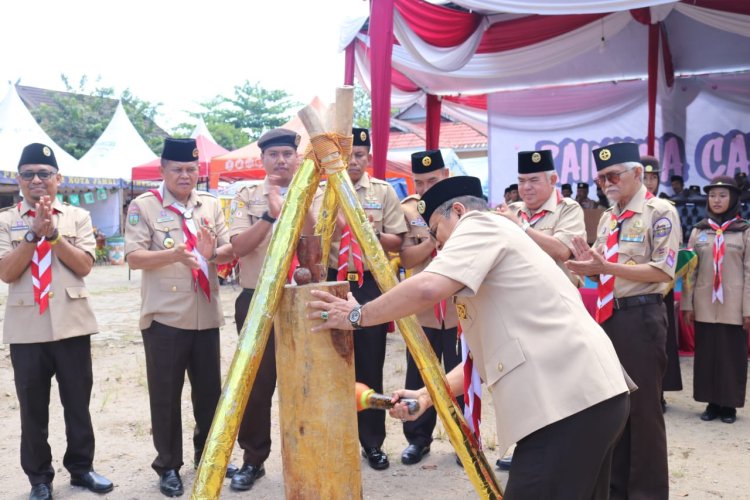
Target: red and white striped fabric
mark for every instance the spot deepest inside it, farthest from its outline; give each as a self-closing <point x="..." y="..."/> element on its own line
<point x="472" y="390"/>
<point x="190" y="234"/>
<point x="606" y="290"/>
<point x="719" y="249"/>
<point x="41" y="270"/>
<point x="350" y="245"/>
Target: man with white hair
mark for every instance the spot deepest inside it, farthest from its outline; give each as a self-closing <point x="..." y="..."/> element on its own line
<point x="634" y="260"/>
<point x="550" y="219"/>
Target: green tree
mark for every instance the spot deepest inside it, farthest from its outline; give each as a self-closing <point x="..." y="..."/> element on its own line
<point x="76" y="118"/>
<point x="225" y="134"/>
<point x="252" y="110"/>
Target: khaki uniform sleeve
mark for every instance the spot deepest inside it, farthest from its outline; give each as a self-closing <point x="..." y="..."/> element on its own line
<point x="138" y="232"/>
<point x="393" y="215"/>
<point x="85" y="239"/>
<point x="240" y="219"/>
<point x="746" y="274"/>
<point x="415" y="226"/>
<point x="665" y="238"/>
<point x="570" y="224"/>
<point x="686" y="299"/>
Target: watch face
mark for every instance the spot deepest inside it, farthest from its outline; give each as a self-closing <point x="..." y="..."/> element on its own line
<point x="30" y="237"/>
<point x="354" y="316"/>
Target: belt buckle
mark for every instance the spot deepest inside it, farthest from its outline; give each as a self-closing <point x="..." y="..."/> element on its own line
<point x="352" y="277"/>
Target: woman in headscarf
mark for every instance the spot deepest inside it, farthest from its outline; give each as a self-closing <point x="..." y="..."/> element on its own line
<point x="720" y="302"/>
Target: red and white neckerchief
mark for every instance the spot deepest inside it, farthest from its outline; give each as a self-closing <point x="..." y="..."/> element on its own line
<point x="535" y="218"/>
<point x="606" y="289"/>
<point x="472" y="389"/>
<point x="350" y="245"/>
<point x="441" y="308"/>
<point x="41" y="269"/>
<point x="719" y="248"/>
<point x="190" y="234"/>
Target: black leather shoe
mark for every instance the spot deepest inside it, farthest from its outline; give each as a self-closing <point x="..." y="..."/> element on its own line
<point x="504" y="463"/>
<point x="92" y="482"/>
<point x="413" y="454"/>
<point x="41" y="491"/>
<point x="712" y="411"/>
<point x="170" y="483"/>
<point x="376" y="458"/>
<point x="728" y="415"/>
<point x="244" y="479"/>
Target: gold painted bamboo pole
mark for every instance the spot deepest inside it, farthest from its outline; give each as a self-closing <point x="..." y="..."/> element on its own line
<point x="255" y="332"/>
<point x="326" y="223"/>
<point x="473" y="460"/>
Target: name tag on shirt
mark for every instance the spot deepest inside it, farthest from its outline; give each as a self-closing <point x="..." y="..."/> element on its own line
<point x="703" y="237"/>
<point x="636" y="238"/>
<point x="418" y="222"/>
<point x="372" y="206"/>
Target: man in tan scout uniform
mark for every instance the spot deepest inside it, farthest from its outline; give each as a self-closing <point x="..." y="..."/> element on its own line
<point x="548" y="218"/>
<point x="634" y="259"/>
<point x="177" y="235"/>
<point x="254" y="213"/>
<point x="49" y="324"/>
<point x="556" y="383"/>
<point x="438" y="322"/>
<point x="382" y="206"/>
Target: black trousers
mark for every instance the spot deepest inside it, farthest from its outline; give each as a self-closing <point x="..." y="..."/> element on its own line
<point x="34" y="365"/>
<point x="673" y="375"/>
<point x="369" y="358"/>
<point x="639" y="464"/>
<point x="255" y="429"/>
<point x="169" y="353"/>
<point x="443" y="342"/>
<point x="571" y="458"/>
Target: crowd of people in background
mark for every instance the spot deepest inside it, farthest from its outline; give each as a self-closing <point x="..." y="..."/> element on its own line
<point x="513" y="272"/>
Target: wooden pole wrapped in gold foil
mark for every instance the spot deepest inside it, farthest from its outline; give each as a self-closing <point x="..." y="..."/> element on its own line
<point x="326" y="223"/>
<point x="476" y="465"/>
<point x="255" y="333"/>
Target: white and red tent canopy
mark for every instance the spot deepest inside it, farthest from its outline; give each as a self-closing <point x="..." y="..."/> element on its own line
<point x="455" y="58"/>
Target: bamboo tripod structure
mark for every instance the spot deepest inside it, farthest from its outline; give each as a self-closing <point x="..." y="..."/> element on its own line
<point x="268" y="292"/>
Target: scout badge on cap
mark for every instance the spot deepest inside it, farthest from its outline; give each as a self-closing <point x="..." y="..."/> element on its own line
<point x="361" y="137"/>
<point x="182" y="150"/>
<point x="530" y="162"/>
<point x="423" y="162"/>
<point x="37" y="154"/>
<point x="614" y="154"/>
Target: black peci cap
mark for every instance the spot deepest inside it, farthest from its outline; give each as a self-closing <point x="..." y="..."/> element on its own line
<point x="614" y="154"/>
<point x="447" y="189"/>
<point x="37" y="154"/>
<point x="423" y="162"/>
<point x="279" y="137"/>
<point x="530" y="162"/>
<point x="361" y="137"/>
<point x="583" y="185"/>
<point x="183" y="150"/>
<point x="566" y="186"/>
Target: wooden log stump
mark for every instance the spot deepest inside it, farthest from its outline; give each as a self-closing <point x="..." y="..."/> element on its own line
<point x="317" y="408"/>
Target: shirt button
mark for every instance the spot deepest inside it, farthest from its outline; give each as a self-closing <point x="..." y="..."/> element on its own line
<point x="499" y="367"/>
<point x="174" y="288"/>
<point x="51" y="295"/>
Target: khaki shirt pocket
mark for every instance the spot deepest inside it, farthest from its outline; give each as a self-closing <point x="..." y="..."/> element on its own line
<point x="176" y="285"/>
<point x="632" y="251"/>
<point x="162" y="232"/>
<point x="376" y="214"/>
<point x="77" y="292"/>
<point x="21" y="299"/>
<point x="68" y="230"/>
<point x="503" y="360"/>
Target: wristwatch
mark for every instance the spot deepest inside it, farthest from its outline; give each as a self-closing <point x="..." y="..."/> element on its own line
<point x="31" y="237"/>
<point x="55" y="238"/>
<point x="355" y="316"/>
<point x="267" y="217"/>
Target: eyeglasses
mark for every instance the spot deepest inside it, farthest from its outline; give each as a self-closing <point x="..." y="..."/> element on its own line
<point x="43" y="175"/>
<point x="611" y="177"/>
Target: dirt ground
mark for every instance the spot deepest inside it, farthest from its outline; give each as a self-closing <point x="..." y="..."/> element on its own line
<point x="706" y="460"/>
